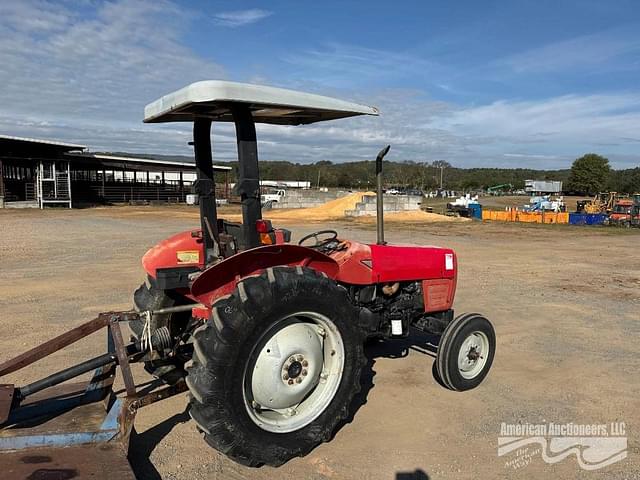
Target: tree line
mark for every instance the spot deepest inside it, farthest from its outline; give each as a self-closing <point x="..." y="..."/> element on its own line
<point x="589" y="174"/>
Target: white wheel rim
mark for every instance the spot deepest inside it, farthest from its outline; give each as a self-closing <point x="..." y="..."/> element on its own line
<point x="294" y="372"/>
<point x="473" y="355"/>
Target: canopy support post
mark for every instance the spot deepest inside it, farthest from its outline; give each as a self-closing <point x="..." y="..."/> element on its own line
<point x="205" y="186"/>
<point x="248" y="175"/>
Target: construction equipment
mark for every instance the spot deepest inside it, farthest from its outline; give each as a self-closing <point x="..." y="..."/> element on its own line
<point x="621" y="214"/>
<point x="635" y="211"/>
<point x="545" y="204"/>
<point x="499" y="189"/>
<point x="635" y="216"/>
<point x="267" y="335"/>
<point x="600" y="203"/>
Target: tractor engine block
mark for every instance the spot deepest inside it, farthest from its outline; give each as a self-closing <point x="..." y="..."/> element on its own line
<point x="387" y="310"/>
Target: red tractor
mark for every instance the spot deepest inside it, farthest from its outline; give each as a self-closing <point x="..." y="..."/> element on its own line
<point x="269" y="335"/>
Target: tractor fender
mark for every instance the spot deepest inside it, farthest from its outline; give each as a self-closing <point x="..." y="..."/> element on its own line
<point x="220" y="279"/>
<point x="180" y="250"/>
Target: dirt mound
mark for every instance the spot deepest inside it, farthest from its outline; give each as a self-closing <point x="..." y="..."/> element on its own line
<point x="334" y="210"/>
<point x="327" y="211"/>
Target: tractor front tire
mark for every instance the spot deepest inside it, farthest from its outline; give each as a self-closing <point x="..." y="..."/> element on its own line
<point x="276" y="369"/>
<point x="465" y="352"/>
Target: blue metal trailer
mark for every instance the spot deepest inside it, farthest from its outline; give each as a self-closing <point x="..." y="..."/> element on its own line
<point x="50" y="429"/>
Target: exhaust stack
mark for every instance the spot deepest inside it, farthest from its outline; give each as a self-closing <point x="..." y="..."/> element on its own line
<point x="379" y="200"/>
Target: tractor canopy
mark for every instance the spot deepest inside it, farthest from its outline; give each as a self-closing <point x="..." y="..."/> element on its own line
<point x="214" y="99"/>
<point x="245" y="105"/>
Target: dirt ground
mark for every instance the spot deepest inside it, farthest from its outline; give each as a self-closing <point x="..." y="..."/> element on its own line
<point x="564" y="300"/>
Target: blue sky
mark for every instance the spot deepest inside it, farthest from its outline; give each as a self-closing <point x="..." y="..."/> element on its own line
<point x="509" y="83"/>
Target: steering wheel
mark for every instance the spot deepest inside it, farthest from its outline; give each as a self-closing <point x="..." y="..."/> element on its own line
<point x="319" y="243"/>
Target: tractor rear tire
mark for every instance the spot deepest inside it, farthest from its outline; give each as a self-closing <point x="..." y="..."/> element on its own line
<point x="147" y="297"/>
<point x="261" y="321"/>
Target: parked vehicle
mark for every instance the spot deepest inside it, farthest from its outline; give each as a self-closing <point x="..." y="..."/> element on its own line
<point x="635" y="215"/>
<point x="273" y="197"/>
<point x="620" y="215"/>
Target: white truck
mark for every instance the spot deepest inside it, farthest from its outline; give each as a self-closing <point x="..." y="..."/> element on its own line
<point x="272" y="197"/>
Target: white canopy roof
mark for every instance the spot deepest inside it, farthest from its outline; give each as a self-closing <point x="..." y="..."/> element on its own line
<point x="213" y="99"/>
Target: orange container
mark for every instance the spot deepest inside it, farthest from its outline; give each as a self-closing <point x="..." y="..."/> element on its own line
<point x="514" y="215"/>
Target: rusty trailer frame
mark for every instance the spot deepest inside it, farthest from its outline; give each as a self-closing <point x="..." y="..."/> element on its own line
<point x="53" y="429"/>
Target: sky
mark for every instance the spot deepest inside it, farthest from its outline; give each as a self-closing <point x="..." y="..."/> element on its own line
<point x="527" y="83"/>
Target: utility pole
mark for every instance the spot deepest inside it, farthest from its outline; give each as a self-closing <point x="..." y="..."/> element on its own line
<point x="441" y="171"/>
<point x="318" y="178"/>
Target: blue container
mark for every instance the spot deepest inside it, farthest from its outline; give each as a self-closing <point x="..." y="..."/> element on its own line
<point x="596" y="218"/>
<point x="475" y="210"/>
<point x="587" y="218"/>
<point x="577" y="218"/>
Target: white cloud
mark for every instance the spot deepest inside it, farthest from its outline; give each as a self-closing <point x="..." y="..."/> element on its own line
<point x="95" y="72"/>
<point x="529" y="155"/>
<point x="239" y="18"/>
<point x="342" y="65"/>
<point x="576" y="118"/>
<point x="547" y="133"/>
<point x="86" y="79"/>
<point x="35" y="17"/>
<point x="553" y="130"/>
<point x="579" y="52"/>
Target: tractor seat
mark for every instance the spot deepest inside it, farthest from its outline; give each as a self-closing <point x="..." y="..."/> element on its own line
<point x="231" y="235"/>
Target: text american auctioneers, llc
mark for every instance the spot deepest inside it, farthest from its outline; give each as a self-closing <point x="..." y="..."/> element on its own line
<point x="594" y="445"/>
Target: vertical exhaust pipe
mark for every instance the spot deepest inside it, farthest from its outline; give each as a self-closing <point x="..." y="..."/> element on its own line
<point x="379" y="200"/>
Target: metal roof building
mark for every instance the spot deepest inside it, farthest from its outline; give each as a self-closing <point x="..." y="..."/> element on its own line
<point x="37" y="173"/>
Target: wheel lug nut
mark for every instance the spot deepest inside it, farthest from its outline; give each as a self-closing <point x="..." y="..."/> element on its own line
<point x="298" y="380"/>
<point x="292" y="359"/>
<point x="305" y="363"/>
<point x="285" y="377"/>
<point x="290" y="382"/>
<point x="300" y="358"/>
<point x="304" y="373"/>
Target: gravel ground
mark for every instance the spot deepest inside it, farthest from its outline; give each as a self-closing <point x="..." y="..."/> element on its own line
<point x="564" y="301"/>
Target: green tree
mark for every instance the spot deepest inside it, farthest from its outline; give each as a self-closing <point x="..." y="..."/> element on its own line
<point x="589" y="174"/>
<point x="632" y="181"/>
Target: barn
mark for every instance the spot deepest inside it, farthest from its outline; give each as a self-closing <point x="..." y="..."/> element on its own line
<point x="39" y="173"/>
